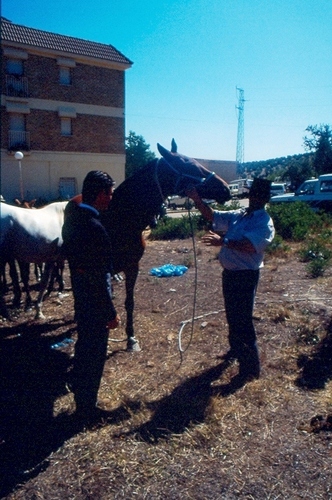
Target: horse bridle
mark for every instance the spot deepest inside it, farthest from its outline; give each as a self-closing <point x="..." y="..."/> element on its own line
<point x="180" y="176"/>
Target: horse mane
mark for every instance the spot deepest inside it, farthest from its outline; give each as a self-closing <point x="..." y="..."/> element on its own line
<point x="138" y="193"/>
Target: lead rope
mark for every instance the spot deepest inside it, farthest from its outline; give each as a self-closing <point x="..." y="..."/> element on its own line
<point x="193" y="318"/>
<point x="184" y="323"/>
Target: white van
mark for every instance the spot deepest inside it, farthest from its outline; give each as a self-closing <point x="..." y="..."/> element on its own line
<point x="277" y="189"/>
<point x="234" y="190"/>
<point x="239" y="188"/>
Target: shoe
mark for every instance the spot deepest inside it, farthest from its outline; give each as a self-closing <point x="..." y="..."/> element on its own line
<point x="249" y="373"/>
<point x="249" y="365"/>
<point x="92" y="415"/>
<point x="246" y="377"/>
<point x="240" y="380"/>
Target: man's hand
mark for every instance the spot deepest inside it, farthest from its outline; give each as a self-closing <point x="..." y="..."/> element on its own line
<point x="205" y="210"/>
<point x="212" y="239"/>
<point x="191" y="192"/>
<point x="114" y="323"/>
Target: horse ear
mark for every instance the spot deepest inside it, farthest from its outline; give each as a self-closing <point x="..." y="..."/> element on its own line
<point x="174" y="147"/>
<point x="163" y="151"/>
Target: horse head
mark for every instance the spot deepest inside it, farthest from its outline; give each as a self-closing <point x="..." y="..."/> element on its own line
<point x="190" y="173"/>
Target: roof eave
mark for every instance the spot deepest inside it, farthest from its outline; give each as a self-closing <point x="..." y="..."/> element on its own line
<point x="33" y="49"/>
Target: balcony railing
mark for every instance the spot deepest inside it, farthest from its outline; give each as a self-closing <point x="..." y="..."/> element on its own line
<point x="18" y="141"/>
<point x="17" y="86"/>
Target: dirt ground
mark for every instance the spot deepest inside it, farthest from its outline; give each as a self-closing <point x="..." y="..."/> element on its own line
<point x="223" y="433"/>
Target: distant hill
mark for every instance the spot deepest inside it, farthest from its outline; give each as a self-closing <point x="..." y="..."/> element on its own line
<point x="273" y="166"/>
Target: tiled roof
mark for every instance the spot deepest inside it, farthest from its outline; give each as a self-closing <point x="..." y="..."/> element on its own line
<point x="17" y="33"/>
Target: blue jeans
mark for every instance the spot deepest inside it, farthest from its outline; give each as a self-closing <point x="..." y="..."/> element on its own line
<point x="239" y="290"/>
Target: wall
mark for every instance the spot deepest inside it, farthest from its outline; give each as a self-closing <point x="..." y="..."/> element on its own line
<point x="95" y="100"/>
<point x="41" y="172"/>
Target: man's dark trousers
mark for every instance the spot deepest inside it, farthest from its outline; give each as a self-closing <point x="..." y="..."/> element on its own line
<point x="239" y="290"/>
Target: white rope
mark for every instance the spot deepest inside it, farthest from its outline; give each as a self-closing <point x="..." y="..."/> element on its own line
<point x="118" y="340"/>
<point x="191" y="320"/>
<point x="181" y="350"/>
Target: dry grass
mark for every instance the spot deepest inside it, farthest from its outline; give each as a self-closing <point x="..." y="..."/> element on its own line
<point x="174" y="429"/>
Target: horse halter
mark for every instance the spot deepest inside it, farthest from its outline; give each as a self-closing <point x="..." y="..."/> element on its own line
<point x="197" y="181"/>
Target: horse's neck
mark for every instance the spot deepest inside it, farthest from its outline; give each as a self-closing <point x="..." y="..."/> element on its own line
<point x="166" y="178"/>
<point x="139" y="198"/>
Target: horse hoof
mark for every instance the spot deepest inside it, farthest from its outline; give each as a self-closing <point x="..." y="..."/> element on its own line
<point x="133" y="345"/>
<point x="40" y="315"/>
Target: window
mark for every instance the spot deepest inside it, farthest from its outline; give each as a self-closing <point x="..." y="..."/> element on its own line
<point x="17" y="122"/>
<point x="14" y="67"/>
<point x="67" y="187"/>
<point x="65" y="126"/>
<point x="18" y="137"/>
<point x="65" y="76"/>
<point x="326" y="186"/>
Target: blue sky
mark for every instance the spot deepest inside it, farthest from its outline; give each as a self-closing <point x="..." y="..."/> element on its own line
<point x="190" y="55"/>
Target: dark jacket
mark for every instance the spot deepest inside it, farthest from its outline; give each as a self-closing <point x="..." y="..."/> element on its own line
<point x="87" y="247"/>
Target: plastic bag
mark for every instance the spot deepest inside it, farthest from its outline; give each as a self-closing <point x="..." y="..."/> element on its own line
<point x="168" y="270"/>
<point x="63" y="343"/>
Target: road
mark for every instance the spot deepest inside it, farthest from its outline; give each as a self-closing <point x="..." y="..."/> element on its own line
<point x="181" y="211"/>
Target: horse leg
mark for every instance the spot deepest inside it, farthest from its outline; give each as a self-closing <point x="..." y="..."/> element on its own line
<point x="25" y="275"/>
<point x="3" y="280"/>
<point x="3" y="308"/>
<point x="48" y="269"/>
<point x="15" y="282"/>
<point x="57" y="276"/>
<point x="52" y="279"/>
<point x="38" y="272"/>
<point x="131" y="277"/>
<point x="3" y="287"/>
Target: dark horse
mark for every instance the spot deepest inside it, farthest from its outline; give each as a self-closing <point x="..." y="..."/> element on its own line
<point x="136" y="202"/>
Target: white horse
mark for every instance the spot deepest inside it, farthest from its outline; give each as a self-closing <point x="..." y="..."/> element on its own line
<point x="32" y="236"/>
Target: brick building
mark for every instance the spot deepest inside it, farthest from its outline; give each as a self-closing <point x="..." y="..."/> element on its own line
<point x="62" y="106"/>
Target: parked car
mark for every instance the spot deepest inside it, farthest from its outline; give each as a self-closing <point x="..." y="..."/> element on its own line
<point x="175" y="202"/>
<point x="316" y="192"/>
<point x="277" y="188"/>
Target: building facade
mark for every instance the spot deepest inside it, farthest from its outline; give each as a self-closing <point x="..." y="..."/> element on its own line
<point x="62" y="106"/>
<point x="226" y="169"/>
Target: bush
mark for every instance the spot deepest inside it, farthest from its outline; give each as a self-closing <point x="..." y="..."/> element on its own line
<point x="317" y="255"/>
<point x="313" y="250"/>
<point x="233" y="205"/>
<point x="293" y="221"/>
<point x="277" y="247"/>
<point x="169" y="228"/>
<point x="316" y="268"/>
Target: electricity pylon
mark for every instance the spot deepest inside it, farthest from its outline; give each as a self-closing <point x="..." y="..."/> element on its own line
<point x="240" y="131"/>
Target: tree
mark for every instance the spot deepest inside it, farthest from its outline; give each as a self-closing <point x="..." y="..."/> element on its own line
<point x="321" y="144"/>
<point x="138" y="153"/>
<point x="298" y="170"/>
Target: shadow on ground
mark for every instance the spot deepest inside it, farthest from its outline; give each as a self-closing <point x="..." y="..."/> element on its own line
<point x="33" y="374"/>
<point x="186" y="405"/>
<point x="316" y="369"/>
